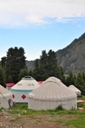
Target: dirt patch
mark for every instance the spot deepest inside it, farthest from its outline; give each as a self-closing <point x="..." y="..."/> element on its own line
<point x="8" y="120"/>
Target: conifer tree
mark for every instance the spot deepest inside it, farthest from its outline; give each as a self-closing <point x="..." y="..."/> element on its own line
<point x="15" y="61"/>
<point x="2" y="76"/>
<point x="47" y="66"/>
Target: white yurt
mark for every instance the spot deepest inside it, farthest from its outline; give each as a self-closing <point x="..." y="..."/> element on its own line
<point x="52" y="94"/>
<point x="5" y="98"/>
<point x="22" y="88"/>
<point x="74" y="89"/>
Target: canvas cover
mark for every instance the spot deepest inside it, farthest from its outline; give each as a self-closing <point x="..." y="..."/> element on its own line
<point x="50" y="95"/>
<point x="40" y="82"/>
<point x="74" y="89"/>
<point x="5" y="98"/>
<point x="22" y="88"/>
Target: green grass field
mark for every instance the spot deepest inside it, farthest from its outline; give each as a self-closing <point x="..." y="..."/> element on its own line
<point x="65" y="117"/>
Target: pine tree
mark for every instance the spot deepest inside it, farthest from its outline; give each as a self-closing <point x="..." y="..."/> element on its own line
<point x="23" y="72"/>
<point x="47" y="66"/>
<point x="80" y="82"/>
<point x="70" y="79"/>
<point x="15" y="61"/>
<point x="2" y="76"/>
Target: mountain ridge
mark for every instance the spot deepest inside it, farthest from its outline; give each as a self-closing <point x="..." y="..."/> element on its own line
<point x="71" y="58"/>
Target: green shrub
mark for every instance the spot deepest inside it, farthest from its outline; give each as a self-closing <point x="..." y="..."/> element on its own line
<point x="80" y="105"/>
<point x="59" y="108"/>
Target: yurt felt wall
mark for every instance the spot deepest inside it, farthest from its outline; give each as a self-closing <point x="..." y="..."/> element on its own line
<point x="50" y="95"/>
<point x="5" y="98"/>
<point x="74" y="89"/>
<point x="22" y="88"/>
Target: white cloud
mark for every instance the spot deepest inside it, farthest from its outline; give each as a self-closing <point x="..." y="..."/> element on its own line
<point x="24" y="12"/>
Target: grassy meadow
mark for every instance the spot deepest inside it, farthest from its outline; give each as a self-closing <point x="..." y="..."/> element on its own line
<point x="72" y="118"/>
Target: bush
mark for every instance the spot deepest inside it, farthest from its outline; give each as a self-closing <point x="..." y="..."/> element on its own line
<point x="80" y="105"/>
<point x="59" y="108"/>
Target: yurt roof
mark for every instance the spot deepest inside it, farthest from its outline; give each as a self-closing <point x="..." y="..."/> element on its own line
<point x="28" y="78"/>
<point x="53" y="79"/>
<point x="26" y="83"/>
<point x="3" y="90"/>
<point x="40" y="82"/>
<point x="9" y="84"/>
<point x="52" y="89"/>
<point x="72" y="87"/>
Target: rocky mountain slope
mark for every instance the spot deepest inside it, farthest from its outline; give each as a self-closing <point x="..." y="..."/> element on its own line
<point x="71" y="58"/>
<point x="30" y="64"/>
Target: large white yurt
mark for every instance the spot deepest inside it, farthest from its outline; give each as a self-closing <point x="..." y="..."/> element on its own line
<point x="22" y="88"/>
<point x="52" y="94"/>
<point x="74" y="89"/>
<point x="5" y="98"/>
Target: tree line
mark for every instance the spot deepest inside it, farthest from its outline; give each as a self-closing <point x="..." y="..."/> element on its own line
<point x="13" y="68"/>
<point x="11" y="65"/>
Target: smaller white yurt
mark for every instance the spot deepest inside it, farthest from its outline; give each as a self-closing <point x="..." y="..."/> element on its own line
<point x="74" y="89"/>
<point x="22" y="88"/>
<point x="52" y="94"/>
<point x="5" y="98"/>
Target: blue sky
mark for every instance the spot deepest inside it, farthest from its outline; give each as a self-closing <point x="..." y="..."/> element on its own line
<point x="39" y="25"/>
